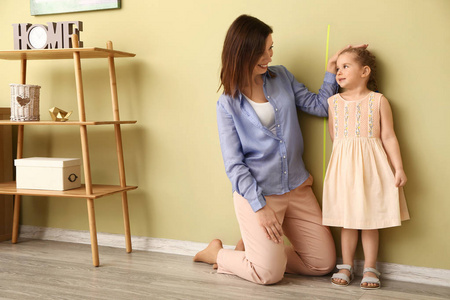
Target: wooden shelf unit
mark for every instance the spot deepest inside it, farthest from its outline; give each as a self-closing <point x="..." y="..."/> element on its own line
<point x="88" y="190"/>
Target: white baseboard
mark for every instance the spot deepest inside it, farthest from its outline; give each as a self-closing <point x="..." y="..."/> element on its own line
<point x="389" y="270"/>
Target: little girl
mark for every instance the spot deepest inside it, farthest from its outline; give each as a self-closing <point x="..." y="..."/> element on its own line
<point x="362" y="188"/>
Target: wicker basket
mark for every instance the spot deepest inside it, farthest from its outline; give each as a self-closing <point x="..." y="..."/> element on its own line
<point x="24" y="102"/>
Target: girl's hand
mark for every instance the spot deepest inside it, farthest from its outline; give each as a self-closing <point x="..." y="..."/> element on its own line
<point x="400" y="178"/>
<point x="331" y="67"/>
<point x="268" y="221"/>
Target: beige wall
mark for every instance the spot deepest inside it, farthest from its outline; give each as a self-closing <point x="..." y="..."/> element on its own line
<point x="170" y="87"/>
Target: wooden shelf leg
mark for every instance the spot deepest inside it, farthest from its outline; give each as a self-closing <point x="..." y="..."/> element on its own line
<point x="126" y="222"/>
<point x="20" y="132"/>
<point x="85" y="150"/>
<point x="82" y="116"/>
<point x="86" y="159"/>
<point x="119" y="147"/>
<point x="93" y="232"/>
<point x="126" y="217"/>
<point x="15" y="229"/>
<point x="16" y="217"/>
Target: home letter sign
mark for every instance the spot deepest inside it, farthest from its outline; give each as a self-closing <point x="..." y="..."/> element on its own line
<point x="53" y="36"/>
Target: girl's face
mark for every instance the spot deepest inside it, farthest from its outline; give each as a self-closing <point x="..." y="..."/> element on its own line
<point x="265" y="59"/>
<point x="350" y="73"/>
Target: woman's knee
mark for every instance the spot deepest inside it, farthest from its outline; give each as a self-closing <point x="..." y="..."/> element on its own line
<point x="315" y="263"/>
<point x="268" y="276"/>
<point x="323" y="265"/>
<point x="325" y="258"/>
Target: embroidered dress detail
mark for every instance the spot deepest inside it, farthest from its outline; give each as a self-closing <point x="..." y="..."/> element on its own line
<point x="359" y="187"/>
<point x="371" y="115"/>
<point x="346" y="120"/>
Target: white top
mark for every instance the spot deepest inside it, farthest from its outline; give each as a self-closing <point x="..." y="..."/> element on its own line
<point x="265" y="113"/>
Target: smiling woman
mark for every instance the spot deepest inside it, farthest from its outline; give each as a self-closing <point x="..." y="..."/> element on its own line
<point x="45" y="7"/>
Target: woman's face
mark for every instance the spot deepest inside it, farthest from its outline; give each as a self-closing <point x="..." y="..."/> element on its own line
<point x="265" y="59"/>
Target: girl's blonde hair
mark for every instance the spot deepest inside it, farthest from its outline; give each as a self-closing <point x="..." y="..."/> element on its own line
<point x="365" y="58"/>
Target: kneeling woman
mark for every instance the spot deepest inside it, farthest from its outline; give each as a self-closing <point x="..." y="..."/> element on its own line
<point x="262" y="148"/>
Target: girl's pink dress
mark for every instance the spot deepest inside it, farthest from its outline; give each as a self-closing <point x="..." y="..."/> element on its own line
<point x="359" y="188"/>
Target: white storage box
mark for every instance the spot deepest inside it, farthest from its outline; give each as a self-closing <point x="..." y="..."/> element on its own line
<point x="45" y="173"/>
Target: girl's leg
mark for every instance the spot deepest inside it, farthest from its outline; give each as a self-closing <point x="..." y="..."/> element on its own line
<point x="349" y="241"/>
<point x="370" y="241"/>
<point x="313" y="251"/>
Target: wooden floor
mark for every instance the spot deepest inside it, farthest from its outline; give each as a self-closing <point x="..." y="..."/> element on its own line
<point x="38" y="269"/>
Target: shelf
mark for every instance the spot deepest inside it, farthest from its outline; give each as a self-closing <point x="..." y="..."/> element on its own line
<point x="6" y="122"/>
<point x="62" y="54"/>
<point x="76" y="54"/>
<point x="9" y="188"/>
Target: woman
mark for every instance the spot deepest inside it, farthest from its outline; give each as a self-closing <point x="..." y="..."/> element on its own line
<point x="262" y="148"/>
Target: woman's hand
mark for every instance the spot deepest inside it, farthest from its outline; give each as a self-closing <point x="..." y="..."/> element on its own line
<point x="268" y="221"/>
<point x="331" y="67"/>
<point x="400" y="178"/>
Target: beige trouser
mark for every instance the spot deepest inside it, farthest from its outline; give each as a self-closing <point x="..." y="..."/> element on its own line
<point x="265" y="262"/>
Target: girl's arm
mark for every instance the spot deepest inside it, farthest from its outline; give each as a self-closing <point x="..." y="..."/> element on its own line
<point x="390" y="142"/>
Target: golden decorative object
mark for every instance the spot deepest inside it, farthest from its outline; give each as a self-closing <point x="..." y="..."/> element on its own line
<point x="59" y="115"/>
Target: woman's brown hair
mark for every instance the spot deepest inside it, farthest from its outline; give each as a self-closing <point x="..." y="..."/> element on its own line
<point x="243" y="46"/>
<point x="365" y="58"/>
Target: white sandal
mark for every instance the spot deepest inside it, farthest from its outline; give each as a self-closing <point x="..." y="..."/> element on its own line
<point x="342" y="275"/>
<point x="371" y="279"/>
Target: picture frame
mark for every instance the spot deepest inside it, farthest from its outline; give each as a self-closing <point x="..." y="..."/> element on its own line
<point x="46" y="7"/>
